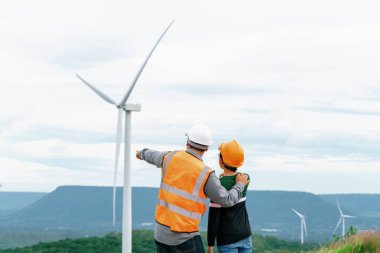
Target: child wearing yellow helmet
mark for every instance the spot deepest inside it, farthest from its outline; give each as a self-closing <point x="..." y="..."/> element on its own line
<point x="230" y="226"/>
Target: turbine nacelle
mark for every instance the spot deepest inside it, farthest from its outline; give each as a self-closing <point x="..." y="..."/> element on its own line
<point x="132" y="107"/>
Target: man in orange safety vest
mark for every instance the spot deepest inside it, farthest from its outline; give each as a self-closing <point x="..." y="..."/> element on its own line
<point x="186" y="182"/>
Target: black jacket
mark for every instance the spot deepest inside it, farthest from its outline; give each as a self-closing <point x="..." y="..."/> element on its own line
<point x="228" y="224"/>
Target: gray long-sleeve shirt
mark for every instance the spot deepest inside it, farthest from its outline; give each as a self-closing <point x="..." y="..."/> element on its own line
<point x="213" y="189"/>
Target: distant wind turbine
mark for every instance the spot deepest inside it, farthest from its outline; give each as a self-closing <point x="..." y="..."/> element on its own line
<point x="127" y="108"/>
<point x="342" y="220"/>
<point x="303" y="224"/>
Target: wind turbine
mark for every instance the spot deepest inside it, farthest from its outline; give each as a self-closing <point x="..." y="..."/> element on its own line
<point x="342" y="220"/>
<point x="127" y="109"/>
<point x="303" y="224"/>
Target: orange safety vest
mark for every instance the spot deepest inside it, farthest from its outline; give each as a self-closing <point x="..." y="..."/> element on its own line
<point x="181" y="199"/>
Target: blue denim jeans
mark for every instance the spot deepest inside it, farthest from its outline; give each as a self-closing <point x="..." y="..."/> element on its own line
<point x="243" y="246"/>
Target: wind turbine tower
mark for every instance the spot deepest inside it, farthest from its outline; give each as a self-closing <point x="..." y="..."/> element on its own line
<point x="342" y="220"/>
<point x="126" y="109"/>
<point x="303" y="224"/>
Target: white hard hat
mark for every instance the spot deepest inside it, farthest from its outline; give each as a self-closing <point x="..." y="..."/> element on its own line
<point x="199" y="134"/>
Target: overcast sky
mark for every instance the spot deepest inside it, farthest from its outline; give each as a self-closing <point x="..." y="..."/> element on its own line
<point x="296" y="82"/>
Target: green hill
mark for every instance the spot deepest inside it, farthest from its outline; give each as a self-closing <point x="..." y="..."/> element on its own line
<point x="368" y="242"/>
<point x="143" y="243"/>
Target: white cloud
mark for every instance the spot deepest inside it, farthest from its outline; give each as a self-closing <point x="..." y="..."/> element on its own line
<point x="296" y="82"/>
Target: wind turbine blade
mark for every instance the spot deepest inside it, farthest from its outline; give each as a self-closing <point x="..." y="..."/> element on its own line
<point x="124" y="100"/>
<point x="340" y="210"/>
<point x="304" y="225"/>
<point x="348" y="216"/>
<point x="97" y="91"/>
<point x="337" y="225"/>
<point x="300" y="215"/>
<point x="117" y="153"/>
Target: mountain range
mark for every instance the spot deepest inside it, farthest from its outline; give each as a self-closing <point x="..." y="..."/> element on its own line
<point x="88" y="210"/>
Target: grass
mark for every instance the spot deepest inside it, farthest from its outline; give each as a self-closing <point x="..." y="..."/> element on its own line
<point x="368" y="242"/>
<point x="143" y="243"/>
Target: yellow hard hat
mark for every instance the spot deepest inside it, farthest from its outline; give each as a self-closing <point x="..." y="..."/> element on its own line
<point x="232" y="153"/>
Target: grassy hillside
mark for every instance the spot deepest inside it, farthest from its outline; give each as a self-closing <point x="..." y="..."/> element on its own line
<point x="143" y="243"/>
<point x="362" y="243"/>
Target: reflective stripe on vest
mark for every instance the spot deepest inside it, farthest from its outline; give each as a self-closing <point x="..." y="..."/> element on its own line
<point x="219" y="206"/>
<point x="182" y="201"/>
<point x="200" y="180"/>
<point x="166" y="162"/>
<point x="182" y="193"/>
<point x="179" y="210"/>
